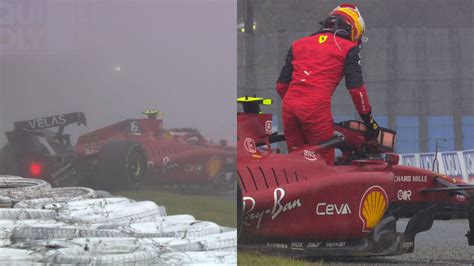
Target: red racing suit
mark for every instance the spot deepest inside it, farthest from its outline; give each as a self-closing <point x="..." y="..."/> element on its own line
<point x="314" y="67"/>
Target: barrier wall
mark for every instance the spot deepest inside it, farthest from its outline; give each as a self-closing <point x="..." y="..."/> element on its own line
<point x="457" y="164"/>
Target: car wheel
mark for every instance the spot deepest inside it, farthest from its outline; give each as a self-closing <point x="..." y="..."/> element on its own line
<point x="240" y="210"/>
<point x="122" y="165"/>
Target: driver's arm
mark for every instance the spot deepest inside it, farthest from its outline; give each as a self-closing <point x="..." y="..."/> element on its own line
<point x="284" y="79"/>
<point x="356" y="87"/>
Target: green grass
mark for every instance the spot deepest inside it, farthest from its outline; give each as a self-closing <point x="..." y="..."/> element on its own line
<point x="254" y="258"/>
<point x="220" y="209"/>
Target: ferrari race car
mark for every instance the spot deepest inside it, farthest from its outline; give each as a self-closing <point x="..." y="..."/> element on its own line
<point x="128" y="152"/>
<point x="34" y="150"/>
<point x="123" y="155"/>
<point x="295" y="204"/>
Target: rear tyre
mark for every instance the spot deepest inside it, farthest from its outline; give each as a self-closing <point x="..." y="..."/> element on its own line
<point x="240" y="209"/>
<point x="122" y="165"/>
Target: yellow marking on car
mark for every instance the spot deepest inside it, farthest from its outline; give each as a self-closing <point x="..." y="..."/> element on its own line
<point x="323" y="38"/>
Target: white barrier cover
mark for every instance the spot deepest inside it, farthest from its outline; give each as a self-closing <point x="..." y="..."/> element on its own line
<point x="456" y="164"/>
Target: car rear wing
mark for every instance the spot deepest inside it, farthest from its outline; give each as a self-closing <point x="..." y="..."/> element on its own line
<point x="25" y="130"/>
<point x="52" y="121"/>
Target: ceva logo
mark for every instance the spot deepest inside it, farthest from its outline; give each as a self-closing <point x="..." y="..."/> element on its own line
<point x="324" y="208"/>
<point x="373" y="204"/>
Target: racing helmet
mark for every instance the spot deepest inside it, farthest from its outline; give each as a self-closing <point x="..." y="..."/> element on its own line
<point x="346" y="17"/>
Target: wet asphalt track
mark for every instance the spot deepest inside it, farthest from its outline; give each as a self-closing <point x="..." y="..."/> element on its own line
<point x="443" y="244"/>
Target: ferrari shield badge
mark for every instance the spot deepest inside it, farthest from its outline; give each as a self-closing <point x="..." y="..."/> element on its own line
<point x="323" y="38"/>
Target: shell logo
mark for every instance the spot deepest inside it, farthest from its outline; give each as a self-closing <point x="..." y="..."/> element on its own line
<point x="167" y="136"/>
<point x="214" y="166"/>
<point x="372" y="207"/>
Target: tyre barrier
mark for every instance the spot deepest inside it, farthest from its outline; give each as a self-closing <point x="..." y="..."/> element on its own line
<point x="24" y="214"/>
<point x="40" y="225"/>
<point x="196" y="257"/>
<point x="12" y="256"/>
<point x="37" y="199"/>
<point x="6" y="202"/>
<point x="124" y="213"/>
<point x="179" y="230"/>
<point x="77" y="205"/>
<point x="41" y="233"/>
<point x="125" y="255"/>
<point x="19" y="188"/>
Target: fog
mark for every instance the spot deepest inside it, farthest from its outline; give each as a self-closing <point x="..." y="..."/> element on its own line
<point x="114" y="59"/>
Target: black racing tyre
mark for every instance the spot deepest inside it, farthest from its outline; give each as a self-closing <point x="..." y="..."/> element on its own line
<point x="122" y="165"/>
<point x="240" y="209"/>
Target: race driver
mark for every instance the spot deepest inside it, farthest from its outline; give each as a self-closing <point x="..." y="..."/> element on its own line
<point x="314" y="67"/>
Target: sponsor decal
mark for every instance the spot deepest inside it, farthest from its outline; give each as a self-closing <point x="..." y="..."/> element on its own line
<point x="460" y="197"/>
<point x="408" y="160"/>
<point x="45" y="122"/>
<point x="324" y="208"/>
<point x="426" y="161"/>
<point x="250" y="146"/>
<point x="268" y="127"/>
<point x="335" y="244"/>
<point x="90" y="140"/>
<point x="90" y="151"/>
<point x="307" y="74"/>
<point x="193" y="168"/>
<point x="296" y="245"/>
<point x="372" y="207"/>
<point x="63" y="174"/>
<point x="323" y="38"/>
<point x="310" y="155"/>
<point x="167" y="165"/>
<point x="302" y="245"/>
<point x="277" y="245"/>
<point x="214" y="166"/>
<point x="407" y="244"/>
<point x="452" y="165"/>
<point x="468" y="157"/>
<point x="313" y="244"/>
<point x="228" y="176"/>
<point x="134" y="128"/>
<point x="279" y="207"/>
<point x="410" y="178"/>
<point x="404" y="195"/>
<point x="167" y="136"/>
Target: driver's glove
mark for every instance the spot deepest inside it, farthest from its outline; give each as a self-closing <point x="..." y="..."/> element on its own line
<point x="372" y="126"/>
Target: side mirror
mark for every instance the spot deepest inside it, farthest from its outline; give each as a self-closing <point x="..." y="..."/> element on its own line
<point x="391" y="158"/>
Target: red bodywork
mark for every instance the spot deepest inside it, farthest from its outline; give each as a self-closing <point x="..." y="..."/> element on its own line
<point x="295" y="202"/>
<point x="174" y="156"/>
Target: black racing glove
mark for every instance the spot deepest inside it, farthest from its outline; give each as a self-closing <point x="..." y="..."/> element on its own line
<point x="373" y="129"/>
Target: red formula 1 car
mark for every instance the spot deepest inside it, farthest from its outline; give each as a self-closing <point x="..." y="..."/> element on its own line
<point x="295" y="204"/>
<point x="122" y="155"/>
<point x="125" y="153"/>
